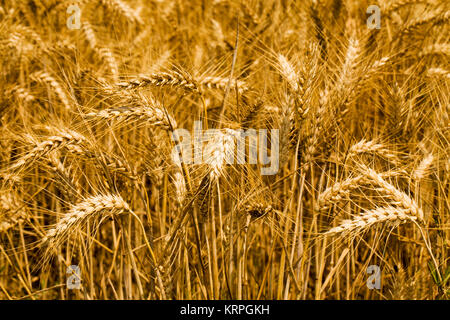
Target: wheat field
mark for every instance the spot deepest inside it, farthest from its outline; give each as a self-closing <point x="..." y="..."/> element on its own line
<point x="96" y="202"/>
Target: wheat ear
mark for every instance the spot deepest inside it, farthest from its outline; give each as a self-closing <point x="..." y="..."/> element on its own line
<point x="45" y="78"/>
<point x="64" y="138"/>
<point x="218" y="151"/>
<point x="289" y="72"/>
<point x="399" y="4"/>
<point x="434" y="18"/>
<point x="222" y="83"/>
<point x="162" y="79"/>
<point x="370" y="218"/>
<point x="151" y="116"/>
<point x="372" y="146"/>
<point x="100" y="206"/>
<point x="11" y="211"/>
<point x="121" y="8"/>
<point x="423" y="168"/>
<point x="399" y="197"/>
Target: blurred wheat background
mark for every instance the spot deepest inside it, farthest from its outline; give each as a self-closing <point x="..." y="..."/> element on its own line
<point x="87" y="177"/>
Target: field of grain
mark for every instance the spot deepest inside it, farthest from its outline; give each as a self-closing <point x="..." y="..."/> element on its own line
<point x="95" y="97"/>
